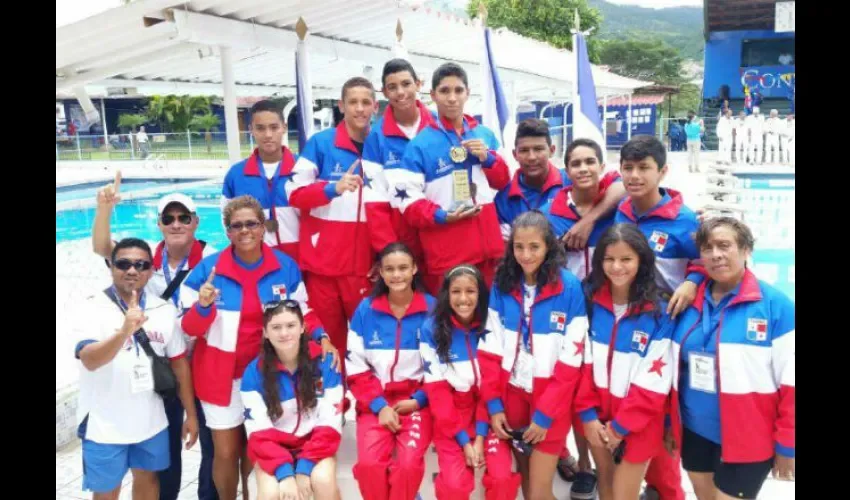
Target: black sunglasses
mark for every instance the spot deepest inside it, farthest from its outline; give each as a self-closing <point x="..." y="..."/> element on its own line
<point x="126" y="264"/>
<point x="169" y="219"/>
<point x="250" y="225"/>
<point x="287" y="303"/>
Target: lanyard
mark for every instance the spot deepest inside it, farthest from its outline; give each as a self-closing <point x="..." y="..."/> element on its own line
<point x="706" y="325"/>
<point x="165" y="271"/>
<point x="270" y="182"/>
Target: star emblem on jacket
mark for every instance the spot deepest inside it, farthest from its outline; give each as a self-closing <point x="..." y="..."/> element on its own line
<point x="579" y="348"/>
<point x="657" y="365"/>
<point x="401" y="193"/>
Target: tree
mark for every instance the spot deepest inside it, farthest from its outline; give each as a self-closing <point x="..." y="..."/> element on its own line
<point x="644" y="59"/>
<point x="132" y="122"/>
<point x="546" y="20"/>
<point x="174" y="113"/>
<point x="205" y="122"/>
<point x="688" y="99"/>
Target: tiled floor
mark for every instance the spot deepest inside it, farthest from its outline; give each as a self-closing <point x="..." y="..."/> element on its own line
<point x="69" y="475"/>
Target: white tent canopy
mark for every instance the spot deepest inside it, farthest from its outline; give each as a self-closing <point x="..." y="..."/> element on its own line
<point x="165" y="46"/>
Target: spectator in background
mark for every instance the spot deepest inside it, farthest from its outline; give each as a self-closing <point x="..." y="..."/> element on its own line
<point x="693" y="130"/>
<point x="742" y="138"/>
<point x="144" y="145"/>
<point x="725" y="125"/>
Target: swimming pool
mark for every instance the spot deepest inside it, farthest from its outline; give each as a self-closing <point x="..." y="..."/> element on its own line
<point x="138" y="218"/>
<point x="770" y="201"/>
<point x="89" y="189"/>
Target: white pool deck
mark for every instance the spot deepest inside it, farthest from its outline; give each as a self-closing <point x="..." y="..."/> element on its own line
<point x="80" y="273"/>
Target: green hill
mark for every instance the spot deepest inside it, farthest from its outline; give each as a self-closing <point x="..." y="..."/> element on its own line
<point x="681" y="27"/>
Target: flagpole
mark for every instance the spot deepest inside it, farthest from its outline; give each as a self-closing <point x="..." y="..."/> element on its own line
<point x="584" y="72"/>
<point x="496" y="114"/>
<point x="303" y="89"/>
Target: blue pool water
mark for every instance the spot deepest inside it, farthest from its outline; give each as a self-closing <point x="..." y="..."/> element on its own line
<point x="770" y="202"/>
<point x="89" y="189"/>
<point x="138" y="218"/>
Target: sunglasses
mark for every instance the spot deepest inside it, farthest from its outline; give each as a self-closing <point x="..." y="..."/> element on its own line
<point x="184" y="219"/>
<point x="250" y="225"/>
<point x="126" y="264"/>
<point x="287" y="303"/>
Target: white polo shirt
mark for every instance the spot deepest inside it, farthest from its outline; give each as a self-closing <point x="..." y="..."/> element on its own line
<point x="116" y="415"/>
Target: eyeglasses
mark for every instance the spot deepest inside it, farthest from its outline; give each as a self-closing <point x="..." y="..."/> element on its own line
<point x="126" y="264"/>
<point x="249" y="225"/>
<point x="287" y="303"/>
<point x="168" y="220"/>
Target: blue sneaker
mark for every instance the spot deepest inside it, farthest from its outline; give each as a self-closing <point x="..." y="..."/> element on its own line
<point x="584" y="487"/>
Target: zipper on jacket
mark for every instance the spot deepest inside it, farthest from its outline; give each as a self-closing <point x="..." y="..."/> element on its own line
<point x="397" y="348"/>
<point x="612" y="346"/>
<point x="471" y="359"/>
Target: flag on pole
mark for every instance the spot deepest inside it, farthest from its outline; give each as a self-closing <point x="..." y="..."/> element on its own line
<point x="586" y="120"/>
<point x="494" y="114"/>
<point x="303" y="89"/>
<point x="399" y="50"/>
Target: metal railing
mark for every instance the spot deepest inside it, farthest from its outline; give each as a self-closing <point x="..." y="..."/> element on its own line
<point x="162" y="146"/>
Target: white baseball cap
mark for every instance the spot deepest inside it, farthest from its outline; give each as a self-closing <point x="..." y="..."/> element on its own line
<point x="175" y="198"/>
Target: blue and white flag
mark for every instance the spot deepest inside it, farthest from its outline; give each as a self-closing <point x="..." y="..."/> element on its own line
<point x="587" y="123"/>
<point x="495" y="112"/>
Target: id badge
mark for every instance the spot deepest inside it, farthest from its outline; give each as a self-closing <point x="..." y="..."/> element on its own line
<point x="461" y="192"/>
<point x="703" y="374"/>
<point x="142" y="380"/>
<point x="522" y="375"/>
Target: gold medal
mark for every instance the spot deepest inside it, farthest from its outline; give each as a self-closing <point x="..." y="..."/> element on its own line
<point x="271" y="225"/>
<point x="458" y="154"/>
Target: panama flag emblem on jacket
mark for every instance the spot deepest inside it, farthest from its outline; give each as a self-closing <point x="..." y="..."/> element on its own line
<point x="659" y="239"/>
<point x="756" y="329"/>
<point x="558" y="321"/>
<point x="640" y="340"/>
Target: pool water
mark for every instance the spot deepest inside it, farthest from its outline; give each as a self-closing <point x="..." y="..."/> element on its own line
<point x="138" y="218"/>
<point x="770" y="202"/>
<point x="89" y="189"/>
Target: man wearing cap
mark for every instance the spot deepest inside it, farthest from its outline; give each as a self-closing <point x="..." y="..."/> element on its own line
<point x="173" y="259"/>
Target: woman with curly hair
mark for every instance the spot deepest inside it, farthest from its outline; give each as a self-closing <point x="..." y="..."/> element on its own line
<point x="227" y="291"/>
<point x="449" y="348"/>
<point x="292" y="401"/>
<point x="531" y="359"/>
<point x="627" y="368"/>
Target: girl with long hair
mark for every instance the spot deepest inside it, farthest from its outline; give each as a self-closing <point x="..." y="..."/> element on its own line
<point x="449" y="347"/>
<point x="531" y="359"/>
<point x="627" y="370"/>
<point x="293" y="405"/>
<point x="385" y="375"/>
